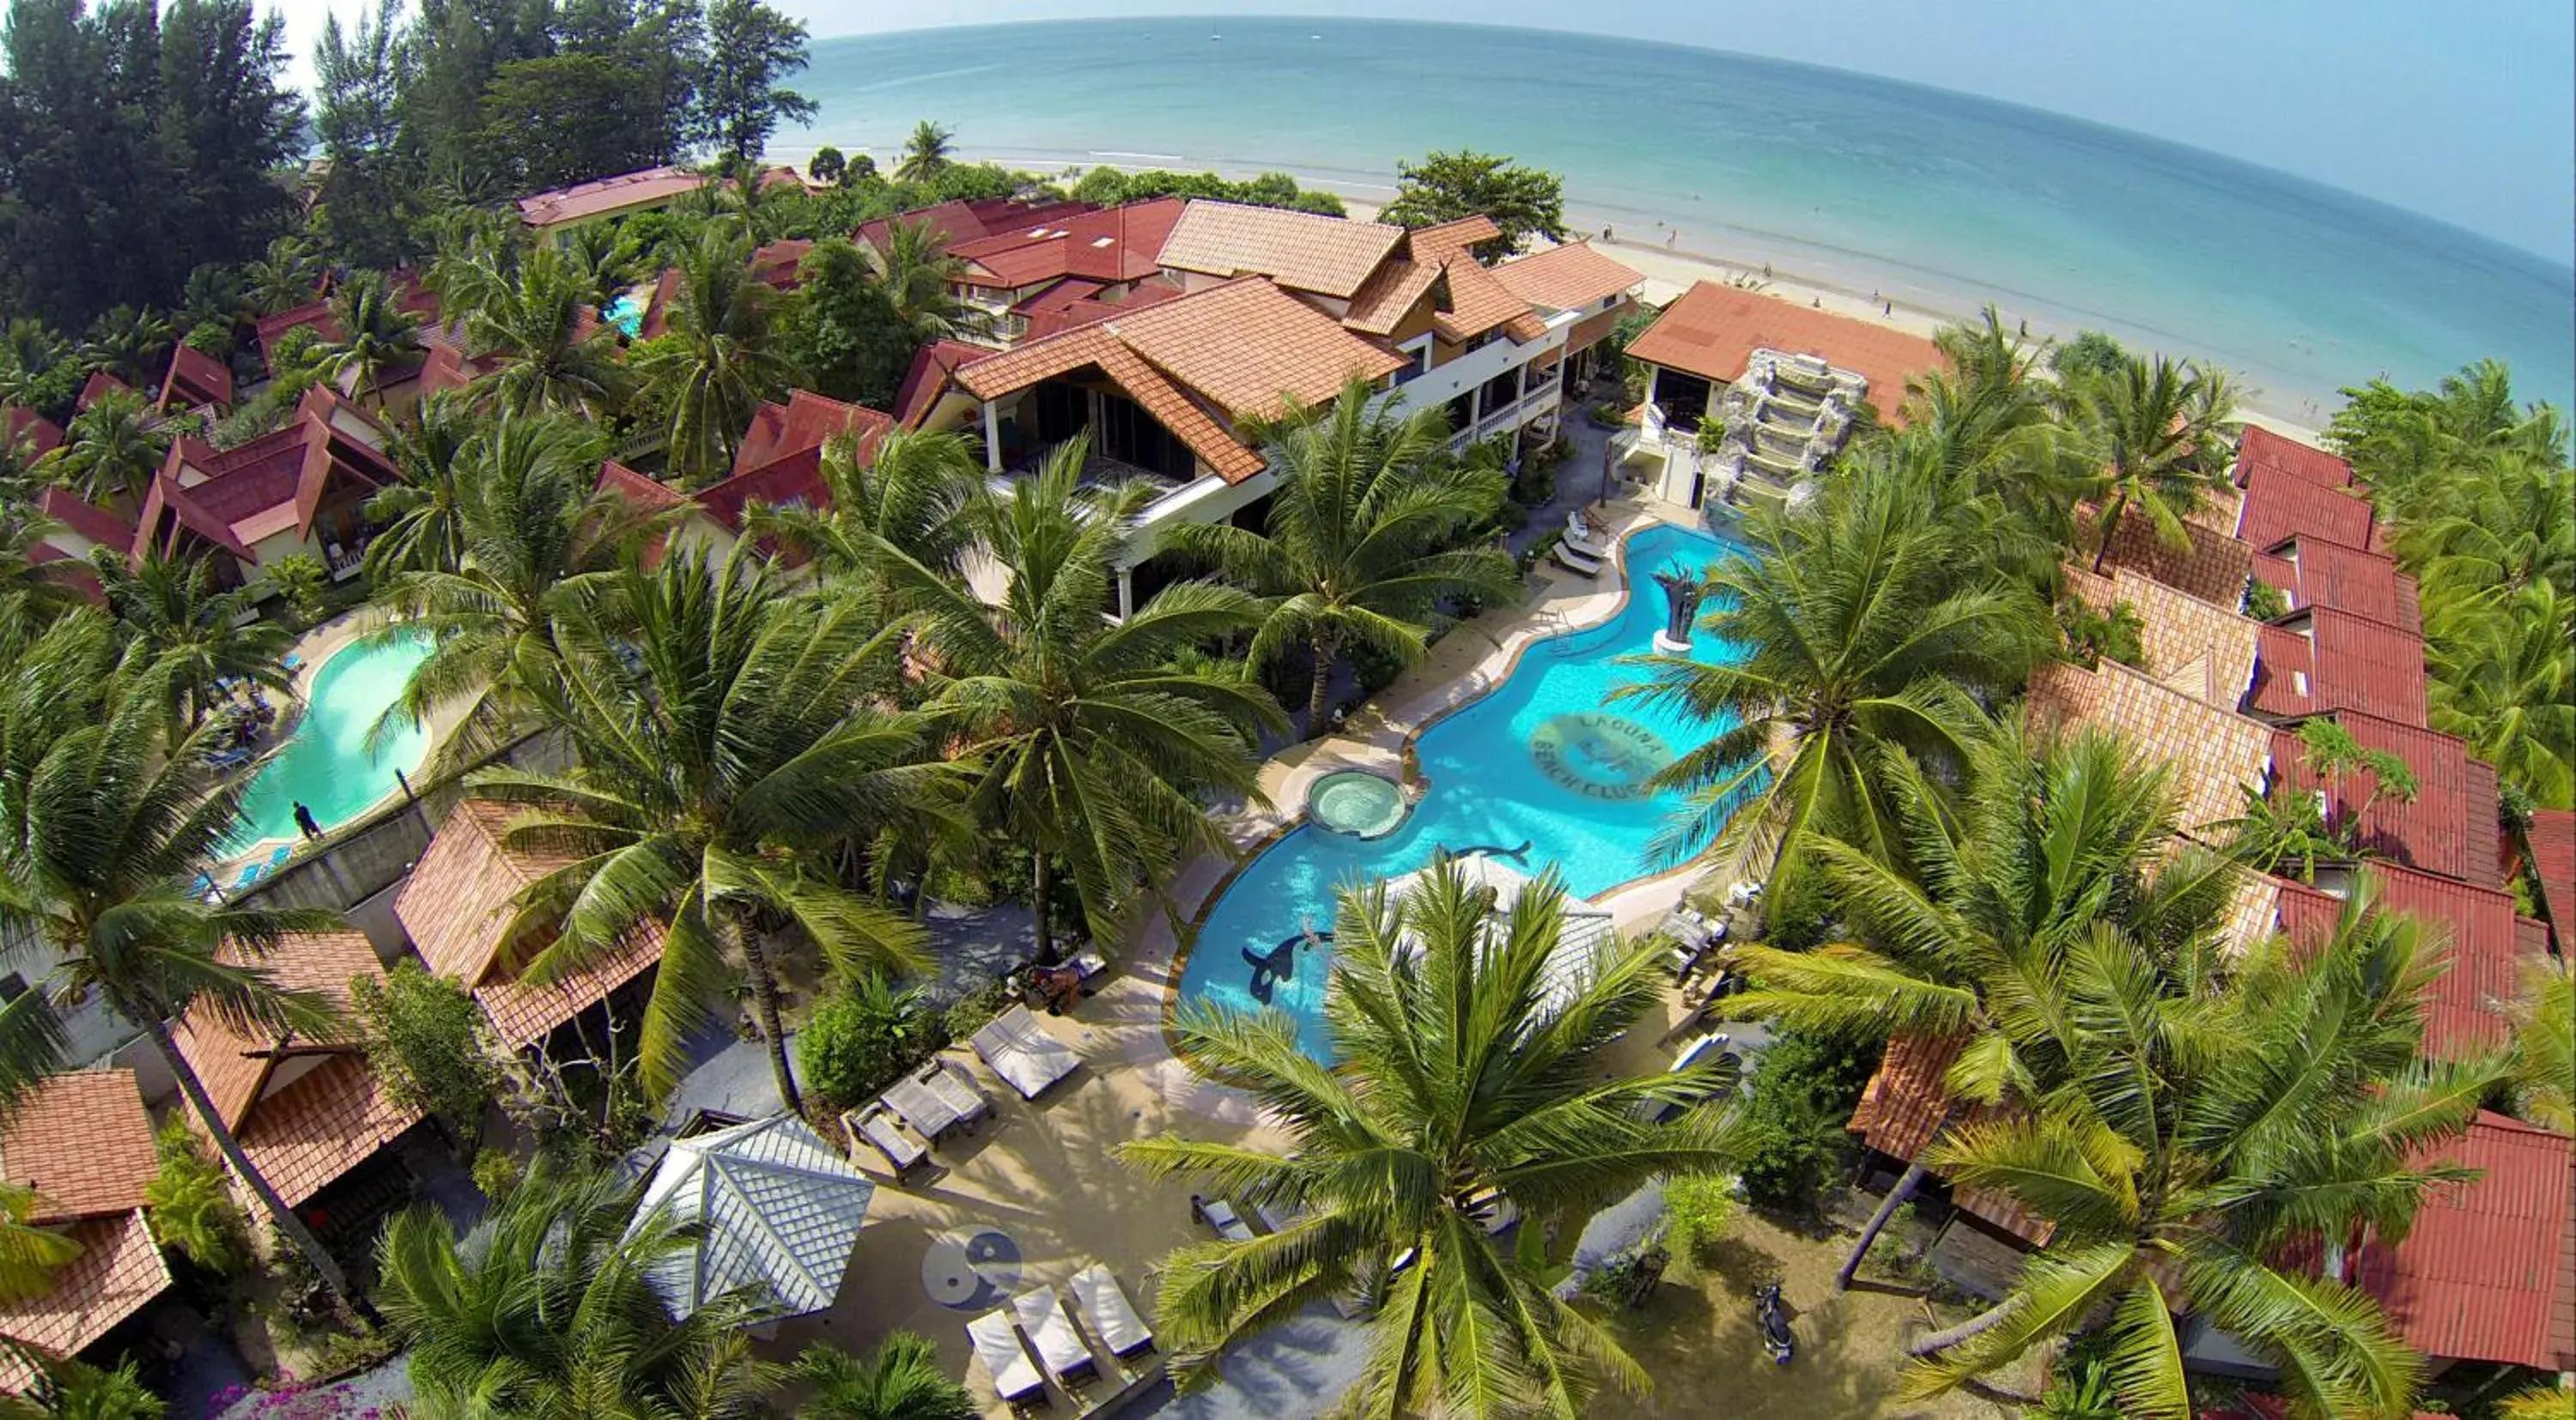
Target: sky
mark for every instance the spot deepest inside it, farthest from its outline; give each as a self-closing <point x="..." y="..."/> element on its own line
<point x="2461" y="109"/>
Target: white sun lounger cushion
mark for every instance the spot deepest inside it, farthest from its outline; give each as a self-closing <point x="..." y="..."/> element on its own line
<point x="963" y="1100"/>
<point x="1574" y="561"/>
<point x="1022" y="1052"/>
<point x="1043" y="1321"/>
<point x="1228" y="1224"/>
<point x="1113" y="1317"/>
<point x="921" y="1108"/>
<point x="878" y="1127"/>
<point x="1015" y="1377"/>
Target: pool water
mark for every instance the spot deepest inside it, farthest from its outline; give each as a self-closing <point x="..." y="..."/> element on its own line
<point x="1356" y="802"/>
<point x="1541" y="770"/>
<point x="326" y="765"/>
<point x="626" y="313"/>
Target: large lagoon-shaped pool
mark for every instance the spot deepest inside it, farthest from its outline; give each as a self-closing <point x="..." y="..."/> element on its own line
<point x="1541" y="771"/>
<point x="326" y="764"/>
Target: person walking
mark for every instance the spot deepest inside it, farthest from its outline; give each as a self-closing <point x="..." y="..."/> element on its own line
<point x="304" y="820"/>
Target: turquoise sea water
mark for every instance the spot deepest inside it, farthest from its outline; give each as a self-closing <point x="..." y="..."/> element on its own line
<point x="1937" y="199"/>
<point x="326" y="765"/>
<point x="1543" y="770"/>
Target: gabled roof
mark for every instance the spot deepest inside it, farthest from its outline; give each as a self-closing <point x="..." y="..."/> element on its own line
<point x="1247" y="346"/>
<point x="932" y="365"/>
<point x="1712" y="331"/>
<point x="2465" y="1010"/>
<point x="1477" y="303"/>
<point x="234" y="1066"/>
<point x="971" y="221"/>
<point x="81" y="1140"/>
<point x="2213" y="751"/>
<point x="775" y="1209"/>
<point x="1900" y="1110"/>
<point x="2258" y="447"/>
<point x="601" y="196"/>
<point x="41" y="435"/>
<point x="119" y="1271"/>
<point x="1048" y="317"/>
<point x="635" y="488"/>
<point x="196" y="378"/>
<point x="2551" y="836"/>
<point x="98" y="386"/>
<point x="273" y="328"/>
<point x="2318" y="659"/>
<point x="1571" y="277"/>
<point x="1303" y="251"/>
<point x="2199" y="648"/>
<point x="457" y="905"/>
<point x="2316" y="572"/>
<point x="806" y="421"/>
<point x="2282" y="505"/>
<point x="2483" y="1275"/>
<point x="1453" y="237"/>
<point x="235" y="497"/>
<point x="1390" y="295"/>
<point x="1119" y="244"/>
<point x="777" y="264"/>
<point x="2210" y="565"/>
<point x="86" y="519"/>
<point x="2449" y="828"/>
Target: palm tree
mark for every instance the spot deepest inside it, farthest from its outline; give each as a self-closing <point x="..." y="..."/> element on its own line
<point x="2164" y="430"/>
<point x="286" y="277"/>
<point x="32" y="593"/>
<point x="535" y="324"/>
<point x="1474" y="1073"/>
<point x="716" y="365"/>
<point x="1095" y="745"/>
<point x="1362" y="543"/>
<point x="127" y="342"/>
<point x="29" y="1255"/>
<point x="170" y="612"/>
<point x="1863" y="624"/>
<point x="30" y="351"/>
<point x="605" y="260"/>
<point x="421" y="512"/>
<point x="376" y="333"/>
<point x="534" y="528"/>
<point x="919" y="278"/>
<point x="926" y="153"/>
<point x="108" y="813"/>
<point x="546" y="1311"/>
<point x="720" y="748"/>
<point x="2202" y="1138"/>
<point x="2504" y="679"/>
<point x="2500" y="523"/>
<point x="915" y="492"/>
<point x="2544" y="1047"/>
<point x="111" y="451"/>
<point x="2053" y="840"/>
<point x="901" y="1380"/>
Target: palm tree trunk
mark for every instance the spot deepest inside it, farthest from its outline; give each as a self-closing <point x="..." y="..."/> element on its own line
<point x="764" y="1010"/>
<point x="1041" y="888"/>
<point x="289" y="1226"/>
<point x="2110" y="524"/>
<point x="1968" y="1330"/>
<point x="1895" y="1199"/>
<point x="1322" y="686"/>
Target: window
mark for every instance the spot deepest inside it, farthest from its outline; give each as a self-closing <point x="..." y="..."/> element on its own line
<point x="1418" y="350"/>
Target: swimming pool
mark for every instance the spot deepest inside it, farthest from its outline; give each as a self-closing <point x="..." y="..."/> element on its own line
<point x="326" y="765"/>
<point x="1541" y="771"/>
<point x="626" y="313"/>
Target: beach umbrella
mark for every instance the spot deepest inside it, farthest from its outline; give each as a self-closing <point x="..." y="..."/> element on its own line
<point x="771" y="1206"/>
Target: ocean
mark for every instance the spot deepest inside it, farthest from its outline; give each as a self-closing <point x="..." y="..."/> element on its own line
<point x="1937" y="199"/>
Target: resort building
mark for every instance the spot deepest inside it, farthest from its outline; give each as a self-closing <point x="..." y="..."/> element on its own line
<point x="83" y="1144"/>
<point x="2549" y="844"/>
<point x="1782" y="382"/>
<point x="196" y="381"/>
<point x="301" y="489"/>
<point x="553" y="216"/>
<point x="457" y="906"/>
<point x="310" y="1114"/>
<point x="80" y="528"/>
<point x="1058" y="272"/>
<point x="965" y="221"/>
<point x="29" y="431"/>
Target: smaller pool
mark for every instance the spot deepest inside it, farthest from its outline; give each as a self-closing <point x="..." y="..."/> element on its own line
<point x="1357" y="803"/>
<point x="626" y="313"/>
<point x="326" y="765"/>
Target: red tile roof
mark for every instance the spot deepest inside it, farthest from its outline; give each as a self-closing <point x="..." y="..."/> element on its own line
<point x="41" y="435"/>
<point x="321" y="1124"/>
<point x="2465" y="1010"/>
<point x="2317" y="572"/>
<point x="804" y="422"/>
<point x="635" y="488"/>
<point x="1901" y="1108"/>
<point x="273" y="328"/>
<point x="98" y="386"/>
<point x="2210" y="565"/>
<point x="1471" y="302"/>
<point x="1712" y="331"/>
<point x="1390" y="294"/>
<point x="2318" y="659"/>
<point x="2200" y="648"/>
<point x="609" y="194"/>
<point x="87" y="519"/>
<point x="1118" y="245"/>
<point x="2551" y="836"/>
<point x="235" y="497"/>
<point x="932" y="364"/>
<point x="196" y="379"/>
<point x="776" y="265"/>
<point x="2449" y="828"/>
<point x="119" y="1271"/>
<point x="2258" y="447"/>
<point x="2483" y="1275"/>
<point x="1301" y="251"/>
<point x="81" y="1140"/>
<point x="2213" y="751"/>
<point x="2282" y="505"/>
<point x="1109" y="305"/>
<point x="1247" y="347"/>
<point x="971" y="221"/>
<point x="1571" y="277"/>
<point x="1453" y="237"/>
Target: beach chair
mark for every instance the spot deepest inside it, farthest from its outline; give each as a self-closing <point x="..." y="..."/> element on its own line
<point x="1023" y="1053"/>
<point x="1275" y="1218"/>
<point x="953" y="1089"/>
<point x="1579" y="526"/>
<point x="878" y="1125"/>
<point x="929" y="1115"/>
<point x="1015" y="1377"/>
<point x="1050" y="1331"/>
<point x="1574" y="561"/>
<point x="1221" y="1218"/>
<point x="1113" y="1318"/>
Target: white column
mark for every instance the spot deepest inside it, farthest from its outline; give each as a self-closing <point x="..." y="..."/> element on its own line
<point x="1126" y="592"/>
<point x="992" y="437"/>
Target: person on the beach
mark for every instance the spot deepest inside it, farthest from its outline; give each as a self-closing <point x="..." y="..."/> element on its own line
<point x="1671" y="237"/>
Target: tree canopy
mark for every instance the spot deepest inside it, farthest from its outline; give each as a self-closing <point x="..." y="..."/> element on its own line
<point x="1443" y="187"/>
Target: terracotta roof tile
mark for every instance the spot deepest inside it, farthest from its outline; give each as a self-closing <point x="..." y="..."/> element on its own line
<point x="41" y="435"/>
<point x="83" y="1142"/>
<point x="1177" y="412"/>
<point x="1245" y="345"/>
<point x="2258" y="447"/>
<point x="1901" y="1107"/>
<point x="1453" y="237"/>
<point x="932" y="365"/>
<point x="609" y="194"/>
<point x="2465" y="1010"/>
<point x="118" y="1273"/>
<point x="525" y="1012"/>
<point x="1120" y="244"/>
<point x="2199" y="648"/>
<point x="2450" y="826"/>
<point x="806" y="421"/>
<point x="1108" y="305"/>
<point x="2213" y="751"/>
<point x="2552" y="836"/>
<point x="646" y="493"/>
<point x="2281" y="505"/>
<point x="2483" y="1275"/>
<point x="1571" y="277"/>
<point x="1712" y="331"/>
<point x="2318" y="659"/>
<point x="1390" y="295"/>
<point x="1025" y="365"/>
<point x="195" y="379"/>
<point x="98" y="386"/>
<point x="1330" y="256"/>
<point x="962" y="222"/>
<point x="2211" y="565"/>
<point x="320" y="1125"/>
<point x="87" y="519"/>
<point x="2316" y="572"/>
<point x="1478" y="303"/>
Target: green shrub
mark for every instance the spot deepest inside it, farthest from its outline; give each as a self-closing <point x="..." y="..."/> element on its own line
<point x="860" y="1041"/>
<point x="2091" y="352"/>
<point x="1804" y="1088"/>
<point x="2265" y="602"/>
<point x="301" y="581"/>
<point x="496" y="1174"/>
<point x="421" y="1037"/>
<point x="74" y="1390"/>
<point x="971" y="1012"/>
<point x="1698" y="1209"/>
<point x="827" y="164"/>
<point x="190" y="1203"/>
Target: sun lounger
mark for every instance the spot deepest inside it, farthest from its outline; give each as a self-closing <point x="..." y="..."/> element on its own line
<point x="1577" y="525"/>
<point x="932" y="1104"/>
<point x="1051" y="1332"/>
<point x="1276" y="1218"/>
<point x="879" y="1127"/>
<point x="1022" y="1052"/>
<point x="953" y="1089"/>
<point x="1691" y="1053"/>
<point x="1590" y="544"/>
<point x="1220" y="1217"/>
<point x="1015" y="1377"/>
<point x="1113" y="1318"/>
<point x="1574" y="561"/>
